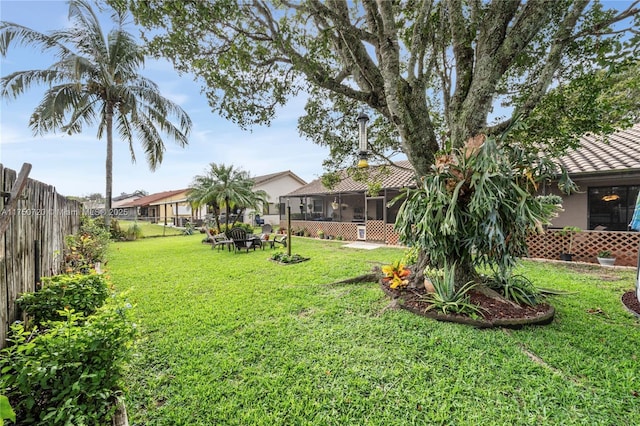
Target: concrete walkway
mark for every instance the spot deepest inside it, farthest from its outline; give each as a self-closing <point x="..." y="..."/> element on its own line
<point x="364" y="245"/>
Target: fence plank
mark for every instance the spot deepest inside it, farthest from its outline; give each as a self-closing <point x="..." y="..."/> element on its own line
<point x="40" y="216"/>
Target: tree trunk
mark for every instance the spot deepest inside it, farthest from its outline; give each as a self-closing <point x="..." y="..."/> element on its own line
<point x="465" y="273"/>
<point x="418" y="272"/>
<point x="109" y="167"/>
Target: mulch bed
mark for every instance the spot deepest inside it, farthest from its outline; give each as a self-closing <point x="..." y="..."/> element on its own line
<point x="630" y="301"/>
<point x="496" y="313"/>
<point x="291" y="262"/>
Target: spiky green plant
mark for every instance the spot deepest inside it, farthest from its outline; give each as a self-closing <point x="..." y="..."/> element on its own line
<point x="514" y="287"/>
<point x="449" y="299"/>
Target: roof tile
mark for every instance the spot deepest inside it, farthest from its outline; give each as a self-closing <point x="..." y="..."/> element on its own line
<point x="621" y="152"/>
<point x="597" y="154"/>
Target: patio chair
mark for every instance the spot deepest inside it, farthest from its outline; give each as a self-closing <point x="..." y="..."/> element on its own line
<point x="278" y="239"/>
<point x="267" y="228"/>
<point x="220" y="241"/>
<point x="264" y="239"/>
<point x="242" y="241"/>
<point x="209" y="238"/>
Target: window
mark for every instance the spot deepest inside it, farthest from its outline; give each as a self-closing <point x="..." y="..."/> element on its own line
<point x="611" y="207"/>
<point x="317" y="206"/>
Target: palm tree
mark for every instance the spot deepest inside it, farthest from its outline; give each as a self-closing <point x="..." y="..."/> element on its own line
<point x="95" y="82"/>
<point x="224" y="187"/>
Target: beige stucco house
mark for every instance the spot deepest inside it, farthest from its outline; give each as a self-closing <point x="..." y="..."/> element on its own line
<point x="167" y="208"/>
<point x="607" y="173"/>
<point x="275" y="185"/>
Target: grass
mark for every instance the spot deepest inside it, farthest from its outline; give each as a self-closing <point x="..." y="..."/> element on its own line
<point x="151" y="229"/>
<point x="234" y="339"/>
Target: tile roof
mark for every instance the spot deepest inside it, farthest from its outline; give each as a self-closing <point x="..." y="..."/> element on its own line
<point x="265" y="178"/>
<point x="150" y="199"/>
<point x="399" y="177"/>
<point x="595" y="156"/>
<point x="620" y="154"/>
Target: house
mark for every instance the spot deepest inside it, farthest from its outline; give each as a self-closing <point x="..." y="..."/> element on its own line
<point x="168" y="208"/>
<point x="608" y="177"/>
<point x="95" y="208"/>
<point x="118" y="205"/>
<point x="275" y="185"/>
<point x="607" y="174"/>
<point x="348" y="210"/>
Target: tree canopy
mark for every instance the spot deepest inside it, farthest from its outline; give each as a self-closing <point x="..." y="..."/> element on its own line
<point x="431" y="73"/>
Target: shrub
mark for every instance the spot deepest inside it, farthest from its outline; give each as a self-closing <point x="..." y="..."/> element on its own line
<point x="281" y="257"/>
<point x="246" y="226"/>
<point x="87" y="247"/>
<point x="134" y="232"/>
<point x="72" y="374"/>
<point x="82" y="293"/>
<point x="188" y="229"/>
<point x="117" y="233"/>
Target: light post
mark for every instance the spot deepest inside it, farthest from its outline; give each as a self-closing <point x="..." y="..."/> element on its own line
<point x="363" y="151"/>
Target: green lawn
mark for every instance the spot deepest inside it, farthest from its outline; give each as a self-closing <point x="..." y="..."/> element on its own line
<point x="234" y="339"/>
<point x="151" y="229"/>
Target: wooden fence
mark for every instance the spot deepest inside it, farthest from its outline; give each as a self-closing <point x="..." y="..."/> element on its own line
<point x="34" y="222"/>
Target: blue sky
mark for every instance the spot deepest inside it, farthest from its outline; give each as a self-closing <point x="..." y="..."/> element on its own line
<point x="75" y="165"/>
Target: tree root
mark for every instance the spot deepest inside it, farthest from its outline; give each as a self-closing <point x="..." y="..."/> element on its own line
<point x="365" y="278"/>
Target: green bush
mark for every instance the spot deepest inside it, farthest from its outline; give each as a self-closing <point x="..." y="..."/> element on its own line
<point x="86" y="248"/>
<point x="285" y="258"/>
<point x="134" y="232"/>
<point x="117" y="233"/>
<point x="82" y="293"/>
<point x="71" y="374"/>
<point x="246" y="226"/>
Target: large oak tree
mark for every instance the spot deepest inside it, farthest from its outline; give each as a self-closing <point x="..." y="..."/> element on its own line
<point x="435" y="69"/>
<point x="433" y="74"/>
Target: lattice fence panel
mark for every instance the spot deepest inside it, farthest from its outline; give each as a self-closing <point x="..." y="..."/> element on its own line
<point x="346" y="230"/>
<point x="392" y="237"/>
<point x="375" y="230"/>
<point x="587" y="245"/>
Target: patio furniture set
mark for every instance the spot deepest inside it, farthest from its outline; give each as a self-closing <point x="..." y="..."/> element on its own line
<point x="239" y="240"/>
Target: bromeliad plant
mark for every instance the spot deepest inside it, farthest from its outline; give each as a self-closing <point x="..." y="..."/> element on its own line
<point x="514" y="287"/>
<point x="396" y="274"/>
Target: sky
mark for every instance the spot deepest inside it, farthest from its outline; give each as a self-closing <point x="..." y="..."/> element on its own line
<point x="75" y="165"/>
